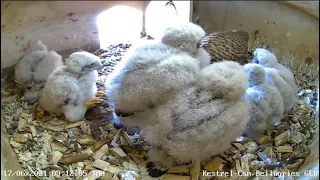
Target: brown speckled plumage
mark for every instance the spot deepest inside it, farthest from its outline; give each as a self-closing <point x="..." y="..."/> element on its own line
<point x="227" y="45"/>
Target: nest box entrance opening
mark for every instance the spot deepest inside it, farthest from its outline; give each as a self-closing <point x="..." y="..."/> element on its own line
<point x="121" y="24"/>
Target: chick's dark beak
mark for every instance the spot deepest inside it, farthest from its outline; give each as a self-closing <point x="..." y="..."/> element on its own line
<point x="255" y="60"/>
<point x="96" y="66"/>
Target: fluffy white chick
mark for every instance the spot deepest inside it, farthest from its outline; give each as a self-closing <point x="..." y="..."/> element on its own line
<point x="202" y="120"/>
<point x="71" y="89"/>
<point x="153" y="73"/>
<point x="288" y="94"/>
<point x="149" y="75"/>
<point x="267" y="59"/>
<point x="266" y="103"/>
<point x="187" y="37"/>
<point x="33" y="70"/>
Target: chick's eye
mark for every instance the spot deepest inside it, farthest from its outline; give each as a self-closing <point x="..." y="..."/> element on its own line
<point x="92" y="64"/>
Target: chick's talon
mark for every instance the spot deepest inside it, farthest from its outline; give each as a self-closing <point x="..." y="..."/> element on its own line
<point x="100" y="94"/>
<point x="93" y="102"/>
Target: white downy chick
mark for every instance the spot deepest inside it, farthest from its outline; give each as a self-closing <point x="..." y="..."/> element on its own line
<point x="202" y="120"/>
<point x="33" y="70"/>
<point x="267" y="59"/>
<point x="187" y="37"/>
<point x="288" y="94"/>
<point x="69" y="87"/>
<point x="266" y="103"/>
<point x="151" y="74"/>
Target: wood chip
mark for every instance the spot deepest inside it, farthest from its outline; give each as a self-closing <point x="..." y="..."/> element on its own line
<point x="136" y="155"/>
<point x="106" y="176"/>
<point x="279" y="156"/>
<point x="21" y="138"/>
<point x="89" y="168"/>
<point x="239" y="146"/>
<point x="33" y="131"/>
<point x="238" y="166"/>
<point x="175" y="177"/>
<point x="137" y="160"/>
<point x="25" y="115"/>
<point x="142" y="164"/>
<point x="55" y="168"/>
<point x="62" y="139"/>
<point x="58" y="146"/>
<point x="125" y="135"/>
<point x="131" y="165"/>
<point x="297" y="138"/>
<point x="123" y="141"/>
<point x="145" y="155"/>
<point x="269" y="152"/>
<point x="85" y="128"/>
<point x="214" y="164"/>
<point x="102" y="151"/>
<point x="255" y="165"/>
<point x="86" y="141"/>
<point x="56" y="156"/>
<point x="76" y="124"/>
<point x="195" y="170"/>
<point x="109" y="127"/>
<point x="77" y="158"/>
<point x="53" y="128"/>
<point x="115" y="138"/>
<point x="80" y="164"/>
<point x="244" y="163"/>
<point x="251" y="146"/>
<point x="117" y="151"/>
<point x="22" y="124"/>
<point x="282" y="138"/>
<point x="114" y="169"/>
<point x="284" y="149"/>
<point x="295" y="166"/>
<point x="264" y="139"/>
<point x="15" y="144"/>
<point x="99" y="144"/>
<point x="103" y="165"/>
